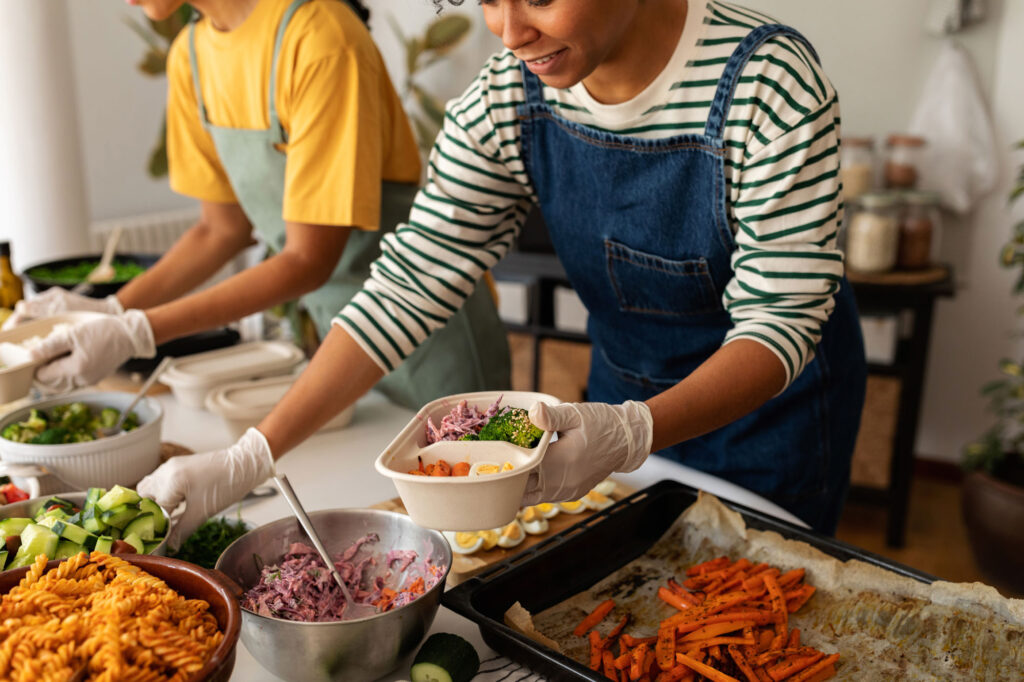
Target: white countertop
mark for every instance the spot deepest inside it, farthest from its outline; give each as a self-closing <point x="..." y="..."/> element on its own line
<point x="335" y="469"/>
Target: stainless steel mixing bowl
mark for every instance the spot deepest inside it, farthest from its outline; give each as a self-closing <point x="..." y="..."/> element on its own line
<point x="355" y="650"/>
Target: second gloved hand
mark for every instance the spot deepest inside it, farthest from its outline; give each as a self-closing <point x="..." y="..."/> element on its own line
<point x="208" y="482"/>
<point x="594" y="440"/>
<point x="97" y="348"/>
<point x="57" y="300"/>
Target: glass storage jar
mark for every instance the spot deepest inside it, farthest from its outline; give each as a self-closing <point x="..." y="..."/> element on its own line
<point x="920" y="222"/>
<point x="856" y="166"/>
<point x="902" y="161"/>
<point x="872" y="238"/>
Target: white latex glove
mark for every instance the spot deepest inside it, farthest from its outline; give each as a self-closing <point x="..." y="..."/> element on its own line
<point x="55" y="301"/>
<point x="97" y="347"/>
<point x="208" y="482"/>
<point x="594" y="440"/>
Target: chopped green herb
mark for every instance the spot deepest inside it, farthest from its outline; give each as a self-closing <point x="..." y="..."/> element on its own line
<point x="207" y="543"/>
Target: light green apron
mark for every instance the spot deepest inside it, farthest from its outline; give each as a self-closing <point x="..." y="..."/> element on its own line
<point x="469" y="354"/>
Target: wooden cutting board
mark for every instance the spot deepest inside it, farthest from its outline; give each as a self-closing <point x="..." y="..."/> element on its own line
<point x="467" y="565"/>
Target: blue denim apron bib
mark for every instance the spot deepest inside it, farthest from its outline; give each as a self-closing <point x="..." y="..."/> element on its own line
<point x="642" y="229"/>
<point x="470" y="353"/>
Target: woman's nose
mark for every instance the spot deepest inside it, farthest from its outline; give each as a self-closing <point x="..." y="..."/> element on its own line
<point x="516" y="30"/>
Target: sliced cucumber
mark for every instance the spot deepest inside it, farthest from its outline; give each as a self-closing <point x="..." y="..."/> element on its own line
<point x="92" y="522"/>
<point x="93" y="496"/>
<point x="13" y="526"/>
<point x="52" y="514"/>
<point x="159" y="520"/>
<point x="142" y="526"/>
<point x="104" y="543"/>
<point x="117" y="496"/>
<point x="135" y="541"/>
<point x="3" y="558"/>
<point x="119" y="516"/>
<point x="75" y="534"/>
<point x="445" y="657"/>
<point x="66" y="505"/>
<point x="67" y="549"/>
<point x="35" y="540"/>
<point x="114" y="532"/>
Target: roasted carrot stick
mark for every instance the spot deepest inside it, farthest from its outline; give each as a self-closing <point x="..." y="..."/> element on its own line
<point x="636" y="661"/>
<point x="673" y="599"/>
<point x="778" y="604"/>
<point x="705" y="670"/>
<point x="665" y="649"/>
<point x="594" y="617"/>
<point x="716" y="629"/>
<point x="708" y="566"/>
<point x="441" y="468"/>
<point x="794" y="639"/>
<point x="616" y="631"/>
<point x="595" y="650"/>
<point x="608" y="665"/>
<point x="631" y="642"/>
<point x="460" y="469"/>
<point x="809" y="673"/>
<point x="791" y="666"/>
<point x="741" y="662"/>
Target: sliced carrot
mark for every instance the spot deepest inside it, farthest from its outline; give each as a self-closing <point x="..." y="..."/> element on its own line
<point x="460" y="469"/>
<point x="708" y="566"/>
<point x="608" y="665"/>
<point x="632" y="642"/>
<point x="674" y="599"/>
<point x="441" y="468"/>
<point x="794" y="604"/>
<point x="665" y="649"/>
<point x="755" y="618"/>
<point x="823" y="674"/>
<point x="791" y="577"/>
<point x="778" y="605"/>
<point x="622" y="662"/>
<point x="741" y="662"/>
<point x="716" y="629"/>
<point x="595" y="650"/>
<point x="636" y="661"/>
<point x="594" y="617"/>
<point x="791" y="666"/>
<point x="705" y="670"/>
<point x="809" y="673"/>
<point x="794" y="639"/>
<point x="607" y="641"/>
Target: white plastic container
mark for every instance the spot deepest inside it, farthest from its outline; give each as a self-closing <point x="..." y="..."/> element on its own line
<point x="123" y="459"/>
<point x="462" y="502"/>
<point x="18" y="370"/>
<point x="192" y="377"/>
<point x="245" y="403"/>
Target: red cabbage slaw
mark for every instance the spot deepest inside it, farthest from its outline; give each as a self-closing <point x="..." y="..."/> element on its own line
<point x="462" y="420"/>
<point x="300" y="588"/>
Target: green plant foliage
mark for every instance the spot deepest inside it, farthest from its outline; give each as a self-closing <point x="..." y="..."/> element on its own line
<point x="1000" y="450"/>
<point x="426" y="110"/>
<point x="158" y="36"/>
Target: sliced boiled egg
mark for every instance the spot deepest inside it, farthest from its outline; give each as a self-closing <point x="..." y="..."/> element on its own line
<point x="572" y="507"/>
<point x="511" y="535"/>
<point x="533" y="521"/>
<point x="547" y="510"/>
<point x="490" y="538"/>
<point x="464" y="542"/>
<point x="605" y="487"/>
<point x="488" y="468"/>
<point x="596" y="501"/>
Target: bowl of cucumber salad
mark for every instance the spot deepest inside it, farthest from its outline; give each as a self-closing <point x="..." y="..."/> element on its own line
<point x="114" y="521"/>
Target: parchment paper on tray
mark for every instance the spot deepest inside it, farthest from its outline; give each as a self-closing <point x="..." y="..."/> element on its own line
<point x="885" y="626"/>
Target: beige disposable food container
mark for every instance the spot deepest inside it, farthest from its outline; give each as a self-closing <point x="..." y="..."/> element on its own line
<point x="192" y="377"/>
<point x="462" y="502"/>
<point x="245" y="403"/>
<point x="16" y="369"/>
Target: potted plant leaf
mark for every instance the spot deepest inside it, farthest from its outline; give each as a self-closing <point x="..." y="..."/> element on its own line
<point x="993" y="492"/>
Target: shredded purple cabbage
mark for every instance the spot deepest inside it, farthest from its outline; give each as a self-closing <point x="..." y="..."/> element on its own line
<point x="462" y="420"/>
<point x="300" y="587"/>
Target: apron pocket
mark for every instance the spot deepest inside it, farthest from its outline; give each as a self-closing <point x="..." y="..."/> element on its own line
<point x="653" y="285"/>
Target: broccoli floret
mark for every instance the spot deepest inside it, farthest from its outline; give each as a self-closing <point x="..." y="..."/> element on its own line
<point x="51" y="437"/>
<point x="131" y="422"/>
<point x="17" y="433"/>
<point x="108" y="417"/>
<point x="37" y="420"/>
<point x="76" y="416"/>
<point x="514" y="426"/>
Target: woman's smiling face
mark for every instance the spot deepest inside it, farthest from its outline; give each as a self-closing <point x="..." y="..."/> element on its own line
<point x="562" y="41"/>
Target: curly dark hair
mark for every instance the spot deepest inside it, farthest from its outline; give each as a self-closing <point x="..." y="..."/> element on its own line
<point x="361" y="10"/>
<point x="439" y="4"/>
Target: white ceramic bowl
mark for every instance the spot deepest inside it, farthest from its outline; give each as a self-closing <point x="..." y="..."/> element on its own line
<point x="462" y="502"/>
<point x="122" y="459"/>
<point x="17" y="371"/>
<point x="192" y="377"/>
<point x="243" y="404"/>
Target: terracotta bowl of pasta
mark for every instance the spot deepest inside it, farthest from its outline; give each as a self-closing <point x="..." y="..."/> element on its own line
<point x="208" y="656"/>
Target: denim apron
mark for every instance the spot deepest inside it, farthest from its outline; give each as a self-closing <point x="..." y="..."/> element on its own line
<point x="469" y="354"/>
<point x="642" y="229"/>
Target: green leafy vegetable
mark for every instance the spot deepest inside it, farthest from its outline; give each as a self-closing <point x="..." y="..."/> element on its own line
<point x="207" y="543"/>
<point x="76" y="273"/>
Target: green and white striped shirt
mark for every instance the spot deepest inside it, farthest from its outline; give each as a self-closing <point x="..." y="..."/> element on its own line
<point x="782" y="136"/>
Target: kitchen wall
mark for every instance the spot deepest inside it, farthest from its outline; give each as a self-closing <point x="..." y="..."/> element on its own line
<point x="875" y="51"/>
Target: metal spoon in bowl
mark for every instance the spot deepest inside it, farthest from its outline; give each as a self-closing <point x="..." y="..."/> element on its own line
<point x="108" y="431"/>
<point x="353" y="610"/>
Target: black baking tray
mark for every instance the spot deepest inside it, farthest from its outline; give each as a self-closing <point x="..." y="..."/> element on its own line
<point x="575" y="559"/>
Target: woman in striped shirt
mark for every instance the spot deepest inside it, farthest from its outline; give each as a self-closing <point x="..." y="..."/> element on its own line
<point x="684" y="155"/>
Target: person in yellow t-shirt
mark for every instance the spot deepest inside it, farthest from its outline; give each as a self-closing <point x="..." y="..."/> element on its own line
<point x="281" y="120"/>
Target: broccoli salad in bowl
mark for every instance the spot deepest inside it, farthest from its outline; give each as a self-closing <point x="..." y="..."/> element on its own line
<point x="74" y="422"/>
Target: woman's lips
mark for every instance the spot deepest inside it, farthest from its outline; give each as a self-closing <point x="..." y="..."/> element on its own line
<point x="546" y="64"/>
